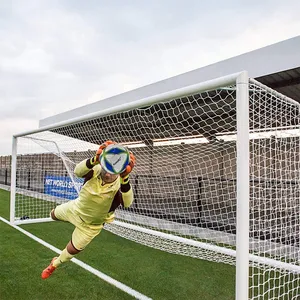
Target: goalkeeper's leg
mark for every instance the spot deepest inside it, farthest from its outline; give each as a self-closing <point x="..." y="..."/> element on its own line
<point x="81" y="237"/>
<point x="64" y="256"/>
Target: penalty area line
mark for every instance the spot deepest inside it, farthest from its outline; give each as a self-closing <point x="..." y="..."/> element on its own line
<point x="83" y="265"/>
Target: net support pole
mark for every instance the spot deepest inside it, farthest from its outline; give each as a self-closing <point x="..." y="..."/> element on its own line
<point x="242" y="211"/>
<point x="13" y="180"/>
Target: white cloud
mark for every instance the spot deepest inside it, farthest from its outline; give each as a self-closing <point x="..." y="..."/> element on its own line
<point x="31" y="60"/>
<point x="11" y="126"/>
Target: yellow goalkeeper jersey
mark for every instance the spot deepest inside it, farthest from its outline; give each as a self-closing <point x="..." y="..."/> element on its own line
<point x="97" y="201"/>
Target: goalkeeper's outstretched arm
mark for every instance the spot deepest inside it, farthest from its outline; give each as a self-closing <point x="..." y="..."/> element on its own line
<point x="84" y="167"/>
<point x="124" y="196"/>
<point x="126" y="190"/>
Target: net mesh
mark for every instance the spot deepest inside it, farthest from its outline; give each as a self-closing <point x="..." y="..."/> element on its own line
<point x="274" y="193"/>
<point x="185" y="180"/>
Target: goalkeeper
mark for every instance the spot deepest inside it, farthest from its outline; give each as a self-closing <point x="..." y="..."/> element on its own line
<point x="98" y="198"/>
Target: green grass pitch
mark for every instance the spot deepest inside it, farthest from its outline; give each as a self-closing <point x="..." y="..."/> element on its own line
<point x="156" y="274"/>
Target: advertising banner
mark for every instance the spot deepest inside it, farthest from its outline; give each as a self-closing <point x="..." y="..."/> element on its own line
<point x="62" y="186"/>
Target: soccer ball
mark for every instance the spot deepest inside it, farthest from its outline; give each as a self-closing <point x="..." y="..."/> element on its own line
<point x="114" y="159"/>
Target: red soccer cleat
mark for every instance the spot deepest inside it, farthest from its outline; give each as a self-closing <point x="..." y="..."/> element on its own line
<point x="49" y="270"/>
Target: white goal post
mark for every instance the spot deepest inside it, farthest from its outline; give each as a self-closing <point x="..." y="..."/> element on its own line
<point x="217" y="177"/>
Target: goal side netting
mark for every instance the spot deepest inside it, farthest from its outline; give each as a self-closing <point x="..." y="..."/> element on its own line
<point x="185" y="180"/>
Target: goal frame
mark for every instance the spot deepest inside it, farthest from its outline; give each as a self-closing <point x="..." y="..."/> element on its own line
<point x="241" y="80"/>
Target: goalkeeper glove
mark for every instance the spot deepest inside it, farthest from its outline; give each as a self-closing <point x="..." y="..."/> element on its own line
<point x="125" y="174"/>
<point x="96" y="159"/>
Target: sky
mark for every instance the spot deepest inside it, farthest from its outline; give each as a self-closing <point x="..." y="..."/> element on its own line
<point x="57" y="55"/>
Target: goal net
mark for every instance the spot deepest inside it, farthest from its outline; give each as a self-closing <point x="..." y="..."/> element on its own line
<point x="185" y="181"/>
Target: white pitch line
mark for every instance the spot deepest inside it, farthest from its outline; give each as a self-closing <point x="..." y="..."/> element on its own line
<point x="85" y="266"/>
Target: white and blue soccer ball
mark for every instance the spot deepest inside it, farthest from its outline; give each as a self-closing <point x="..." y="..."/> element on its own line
<point x="114" y="159"/>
